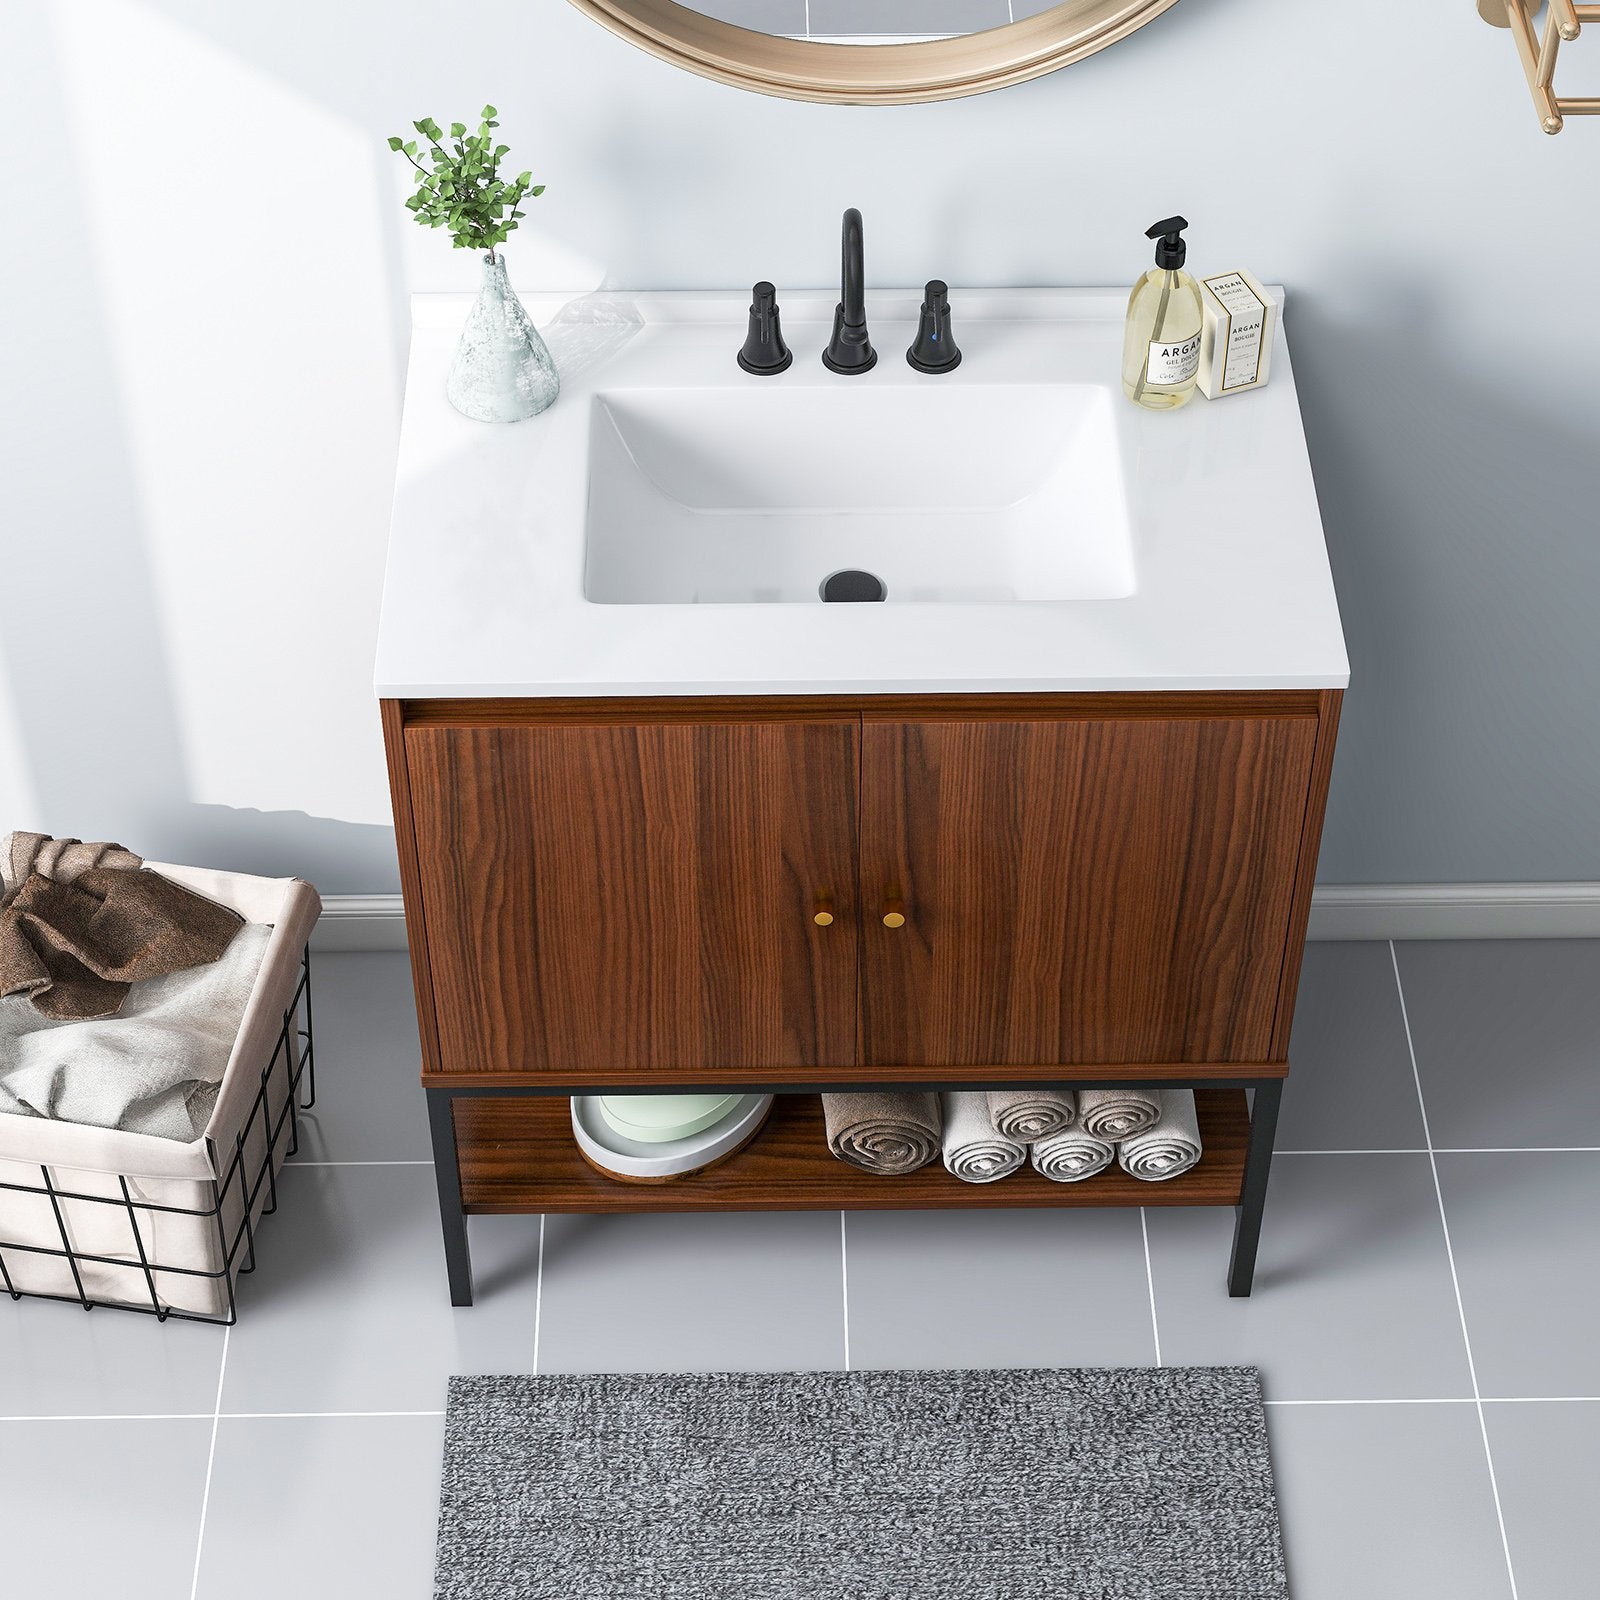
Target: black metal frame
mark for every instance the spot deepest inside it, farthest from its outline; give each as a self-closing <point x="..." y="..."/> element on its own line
<point x="1266" y="1093"/>
<point x="293" y="1063"/>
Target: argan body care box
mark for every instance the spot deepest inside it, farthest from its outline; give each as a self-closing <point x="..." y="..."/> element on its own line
<point x="1236" y="335"/>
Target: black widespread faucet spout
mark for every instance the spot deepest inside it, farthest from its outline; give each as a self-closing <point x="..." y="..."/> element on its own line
<point x="853" y="271"/>
<point x="850" y="349"/>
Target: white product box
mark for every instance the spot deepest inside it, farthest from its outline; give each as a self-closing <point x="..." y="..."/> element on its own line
<point x="1236" y="335"/>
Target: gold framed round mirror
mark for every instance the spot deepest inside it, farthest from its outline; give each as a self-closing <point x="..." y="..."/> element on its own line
<point x="872" y="52"/>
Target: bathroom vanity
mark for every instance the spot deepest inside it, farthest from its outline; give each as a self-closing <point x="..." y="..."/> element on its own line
<point x="1048" y="814"/>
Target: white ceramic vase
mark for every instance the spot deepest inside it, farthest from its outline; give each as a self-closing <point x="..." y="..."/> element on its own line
<point x="502" y="371"/>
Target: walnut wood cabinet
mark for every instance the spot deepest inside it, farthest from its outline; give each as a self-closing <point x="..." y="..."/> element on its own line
<point x="638" y="899"/>
<point x="802" y="892"/>
<point x="1079" y="889"/>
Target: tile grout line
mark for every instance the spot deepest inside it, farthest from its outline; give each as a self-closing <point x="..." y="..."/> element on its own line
<point x="211" y="1461"/>
<point x="290" y="1416"/>
<point x="1455" y="1279"/>
<point x="1150" y="1283"/>
<point x="1387" y="1400"/>
<point x="1462" y="1150"/>
<point x="1518" y="1150"/>
<point x="294" y="1161"/>
<point x="538" y="1297"/>
<point x="118" y="1416"/>
<point x="844" y="1288"/>
<point x="1541" y="1399"/>
<point x="208" y="1416"/>
<point x="1419" y="1151"/>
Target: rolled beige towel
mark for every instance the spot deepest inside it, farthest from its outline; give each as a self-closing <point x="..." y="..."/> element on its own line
<point x="884" y="1133"/>
<point x="1168" y="1149"/>
<point x="1029" y="1114"/>
<point x="1117" y="1113"/>
<point x="973" y="1151"/>
<point x="1072" y="1155"/>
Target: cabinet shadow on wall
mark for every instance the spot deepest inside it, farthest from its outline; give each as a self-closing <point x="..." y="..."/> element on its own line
<point x="1460" y="521"/>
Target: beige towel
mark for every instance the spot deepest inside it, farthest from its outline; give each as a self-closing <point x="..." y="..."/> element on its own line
<point x="884" y="1133"/>
<point x="61" y="860"/>
<point x="1072" y="1155"/>
<point x="74" y="948"/>
<point x="1030" y="1114"/>
<point x="1117" y="1113"/>
<point x="1169" y="1148"/>
<point x="973" y="1151"/>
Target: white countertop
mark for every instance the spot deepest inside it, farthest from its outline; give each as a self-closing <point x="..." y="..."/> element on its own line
<point x="484" y="593"/>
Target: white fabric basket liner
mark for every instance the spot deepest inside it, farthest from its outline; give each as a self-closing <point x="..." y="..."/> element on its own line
<point x="93" y="1161"/>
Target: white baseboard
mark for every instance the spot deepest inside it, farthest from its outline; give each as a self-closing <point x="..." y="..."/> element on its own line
<point x="1338" y="911"/>
<point x="360" y="922"/>
<point x="1456" y="911"/>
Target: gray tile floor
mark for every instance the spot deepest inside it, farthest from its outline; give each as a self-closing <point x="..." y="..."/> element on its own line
<point x="1424" y="1316"/>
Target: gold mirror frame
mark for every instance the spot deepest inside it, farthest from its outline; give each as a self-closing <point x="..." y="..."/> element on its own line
<point x="873" y="75"/>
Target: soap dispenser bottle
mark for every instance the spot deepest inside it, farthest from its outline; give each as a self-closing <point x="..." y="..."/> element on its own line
<point x="1161" y="348"/>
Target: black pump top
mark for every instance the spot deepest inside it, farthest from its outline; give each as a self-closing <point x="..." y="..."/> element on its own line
<point x="1170" y="253"/>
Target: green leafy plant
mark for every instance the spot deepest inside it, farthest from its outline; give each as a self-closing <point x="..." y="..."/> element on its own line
<point x="462" y="189"/>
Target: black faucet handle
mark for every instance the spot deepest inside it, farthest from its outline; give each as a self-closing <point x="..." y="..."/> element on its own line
<point x="934" y="349"/>
<point x="764" y="351"/>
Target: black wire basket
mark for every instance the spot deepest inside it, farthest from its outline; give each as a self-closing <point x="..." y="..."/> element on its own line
<point x="169" y="1247"/>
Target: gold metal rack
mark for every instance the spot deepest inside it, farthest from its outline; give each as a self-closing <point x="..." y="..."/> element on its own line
<point x="1563" y="23"/>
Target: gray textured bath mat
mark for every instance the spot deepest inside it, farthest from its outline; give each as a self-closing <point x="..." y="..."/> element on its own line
<point x="1077" y="1485"/>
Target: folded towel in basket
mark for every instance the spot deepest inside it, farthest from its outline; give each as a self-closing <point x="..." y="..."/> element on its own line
<point x="1072" y="1155"/>
<point x="1170" y="1147"/>
<point x="1117" y="1113"/>
<point x="154" y="1068"/>
<point x="74" y="947"/>
<point x="973" y="1151"/>
<point x="63" y="860"/>
<point x="887" y="1133"/>
<point x="1029" y="1114"/>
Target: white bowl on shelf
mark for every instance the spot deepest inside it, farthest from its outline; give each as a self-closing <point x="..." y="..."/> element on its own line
<point x="636" y="1159"/>
<point x="663" y="1118"/>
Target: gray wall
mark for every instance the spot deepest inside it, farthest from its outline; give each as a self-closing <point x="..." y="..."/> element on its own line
<point x="204" y="304"/>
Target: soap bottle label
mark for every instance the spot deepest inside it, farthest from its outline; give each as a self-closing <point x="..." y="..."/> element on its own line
<point x="1171" y="364"/>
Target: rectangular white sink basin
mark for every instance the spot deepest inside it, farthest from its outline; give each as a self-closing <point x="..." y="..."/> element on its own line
<point x="665" y="527"/>
<point x="733" y="495"/>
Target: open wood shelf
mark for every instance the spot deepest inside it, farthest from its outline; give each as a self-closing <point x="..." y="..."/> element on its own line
<point x="518" y="1155"/>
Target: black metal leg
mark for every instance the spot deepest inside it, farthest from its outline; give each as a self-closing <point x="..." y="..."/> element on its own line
<point x="447" y="1175"/>
<point x="1253" y="1196"/>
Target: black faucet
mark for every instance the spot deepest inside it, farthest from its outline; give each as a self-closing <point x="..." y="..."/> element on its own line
<point x="850" y="350"/>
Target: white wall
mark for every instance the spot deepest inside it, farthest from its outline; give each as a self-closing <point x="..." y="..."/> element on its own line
<point x="203" y="288"/>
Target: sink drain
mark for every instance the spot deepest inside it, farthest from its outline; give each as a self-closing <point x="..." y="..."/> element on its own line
<point x="852" y="584"/>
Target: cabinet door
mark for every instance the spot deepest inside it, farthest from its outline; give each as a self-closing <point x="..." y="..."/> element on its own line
<point x="638" y="898"/>
<point x="1079" y="890"/>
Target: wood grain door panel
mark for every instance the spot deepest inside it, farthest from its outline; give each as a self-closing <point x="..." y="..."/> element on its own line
<point x="614" y="896"/>
<point x="1079" y="890"/>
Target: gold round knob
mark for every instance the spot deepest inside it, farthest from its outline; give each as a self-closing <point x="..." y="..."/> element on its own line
<point x="823" y="919"/>
<point x="894" y="913"/>
<point x="822" y="913"/>
<point x="894" y="919"/>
